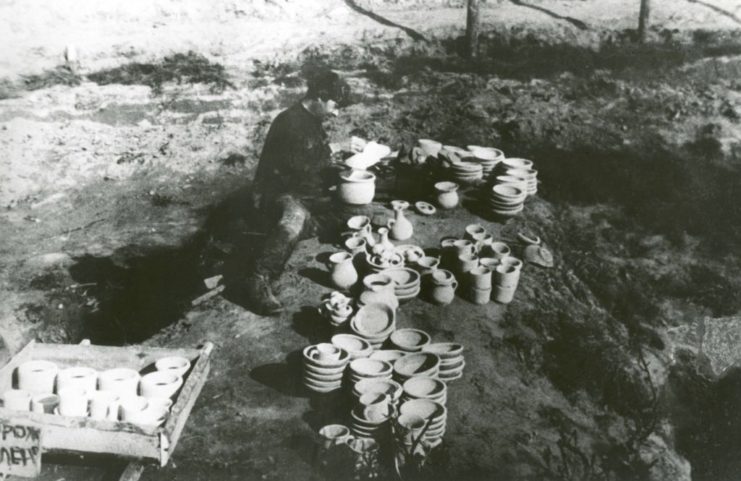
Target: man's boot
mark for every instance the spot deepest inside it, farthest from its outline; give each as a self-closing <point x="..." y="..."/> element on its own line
<point x="261" y="297"/>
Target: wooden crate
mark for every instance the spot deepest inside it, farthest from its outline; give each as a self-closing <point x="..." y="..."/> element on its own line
<point x="84" y="435"/>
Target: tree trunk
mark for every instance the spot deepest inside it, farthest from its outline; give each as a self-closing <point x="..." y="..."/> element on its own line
<point x="643" y="20"/>
<point x="472" y="29"/>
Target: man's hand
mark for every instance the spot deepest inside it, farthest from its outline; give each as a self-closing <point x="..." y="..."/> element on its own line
<point x="357" y="144"/>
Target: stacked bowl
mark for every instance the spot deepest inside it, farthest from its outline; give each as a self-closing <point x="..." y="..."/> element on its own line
<point x="374" y="322"/>
<point x="362" y="427"/>
<point x="465" y="172"/>
<point x="365" y="368"/>
<point x="409" y="340"/>
<point x="406" y="282"/>
<point x="434" y="413"/>
<point x="324" y="366"/>
<point x="451" y="357"/>
<point x="383" y="386"/>
<point x="356" y="346"/>
<point x="425" y="364"/>
<point x="388" y="355"/>
<point x="530" y="177"/>
<point x="488" y="157"/>
<point x="506" y="200"/>
<point x="425" y="388"/>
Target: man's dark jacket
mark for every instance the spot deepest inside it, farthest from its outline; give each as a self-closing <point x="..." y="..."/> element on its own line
<point x="295" y="158"/>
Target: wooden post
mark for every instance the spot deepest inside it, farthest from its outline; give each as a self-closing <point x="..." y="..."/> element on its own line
<point x="643" y="17"/>
<point x="472" y="29"/>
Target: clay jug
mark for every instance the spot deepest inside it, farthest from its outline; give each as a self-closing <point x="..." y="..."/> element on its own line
<point x="384" y="243"/>
<point x="342" y="270"/>
<point x="400" y="227"/>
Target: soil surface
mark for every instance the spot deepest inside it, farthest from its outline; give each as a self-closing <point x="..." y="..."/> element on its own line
<point x="124" y="185"/>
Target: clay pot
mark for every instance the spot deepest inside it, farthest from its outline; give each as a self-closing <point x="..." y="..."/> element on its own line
<point x="512" y="262"/>
<point x="122" y="381"/>
<point x="173" y="364"/>
<point x="443" y="286"/>
<point x="480" y="296"/>
<point x="357" y="187"/>
<point x="480" y="277"/>
<point x="379" y="288"/>
<point x="17" y="400"/>
<point x="466" y="262"/>
<point x="463" y="246"/>
<point x="447" y="194"/>
<point x="37" y="376"/>
<point x="356" y="245"/>
<point x="343" y="273"/>
<point x="44" y="403"/>
<point x="427" y="264"/>
<point x="130" y="406"/>
<point x="490" y="263"/>
<point x="400" y="228"/>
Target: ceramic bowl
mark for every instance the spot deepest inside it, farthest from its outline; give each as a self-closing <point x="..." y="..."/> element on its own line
<point x="310" y="358"/>
<point x="403" y="277"/>
<point x="322" y="378"/>
<point x="445" y="350"/>
<point x="425" y="208"/>
<point x="517" y="163"/>
<point x="319" y="371"/>
<point x="356" y="346"/>
<point x="362" y="446"/>
<point x="430" y="147"/>
<point x="174" y="364"/>
<point x="507" y="192"/>
<point x="410" y="340"/>
<point x="417" y="364"/>
<point x="357" y="187"/>
<point x="426" y="409"/>
<point x="424" y="388"/>
<point x="358" y="222"/>
<point x="374" y="320"/>
<point x="334" y="434"/>
<point x="410" y="252"/>
<point x="370" y="368"/>
<point x="160" y="384"/>
<point x="388" y="355"/>
<point x="384" y="386"/>
<point x="365" y="424"/>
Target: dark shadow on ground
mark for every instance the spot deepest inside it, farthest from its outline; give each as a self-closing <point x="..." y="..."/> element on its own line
<point x="384" y="21"/>
<point x="283" y="377"/>
<point x="573" y="21"/>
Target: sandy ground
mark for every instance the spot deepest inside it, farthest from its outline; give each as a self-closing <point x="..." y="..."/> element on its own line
<point x="106" y="187"/>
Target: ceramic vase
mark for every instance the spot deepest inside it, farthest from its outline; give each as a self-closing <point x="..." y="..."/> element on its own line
<point x="342" y="270"/>
<point x="400" y="227"/>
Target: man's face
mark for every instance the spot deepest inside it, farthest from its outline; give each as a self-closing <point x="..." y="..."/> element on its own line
<point x="328" y="108"/>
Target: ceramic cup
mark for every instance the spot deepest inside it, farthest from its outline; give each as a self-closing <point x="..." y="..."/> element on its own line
<point x="427" y="264"/>
<point x="17" y="400"/>
<point x="129" y="406"/>
<point x="44" y="403"/>
<point x="490" y="263"/>
<point x="474" y="230"/>
<point x="480" y="277"/>
<point x="122" y="381"/>
<point x="83" y="378"/>
<point x="333" y="435"/>
<point x="376" y="406"/>
<point x="73" y="401"/>
<point x="102" y="404"/>
<point x="480" y="296"/>
<point x="466" y="262"/>
<point x="326" y="352"/>
<point x="506" y="275"/>
<point x="410" y="426"/>
<point x="499" y="250"/>
<point x="504" y="295"/>
<point x="173" y="364"/>
<point x="160" y="384"/>
<point x="149" y="416"/>
<point x="463" y="246"/>
<point x="37" y="376"/>
<point x="160" y="402"/>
